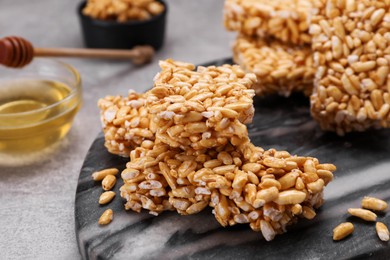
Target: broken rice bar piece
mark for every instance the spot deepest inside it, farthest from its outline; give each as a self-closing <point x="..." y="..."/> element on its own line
<point x="351" y="44"/>
<point x="281" y="19"/>
<point x="126" y="122"/>
<point x="201" y="108"/>
<point x="280" y="68"/>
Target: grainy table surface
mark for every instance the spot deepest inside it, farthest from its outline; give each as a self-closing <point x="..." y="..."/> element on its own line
<point x="37" y="200"/>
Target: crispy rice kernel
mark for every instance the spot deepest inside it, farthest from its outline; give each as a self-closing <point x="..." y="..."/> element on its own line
<point x="382" y="231"/>
<point x="100" y="175"/>
<point x="374" y="204"/>
<point x="108" y="182"/>
<point x="106" y="197"/>
<point x="343" y="230"/>
<point x="106" y="217"/>
<point x="363" y="214"/>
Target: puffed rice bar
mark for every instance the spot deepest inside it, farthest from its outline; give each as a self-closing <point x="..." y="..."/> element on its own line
<point x="221" y="112"/>
<point x="126" y="122"/>
<point x="280" y="68"/>
<point x="351" y="44"/>
<point x="201" y="108"/>
<point x="286" y="20"/>
<point x="267" y="189"/>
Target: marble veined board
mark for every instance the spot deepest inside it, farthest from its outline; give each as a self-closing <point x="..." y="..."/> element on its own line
<point x="363" y="162"/>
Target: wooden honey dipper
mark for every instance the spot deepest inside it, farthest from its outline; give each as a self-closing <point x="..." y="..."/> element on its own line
<point x="17" y="52"/>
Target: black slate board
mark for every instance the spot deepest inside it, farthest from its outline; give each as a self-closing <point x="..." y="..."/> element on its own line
<point x="363" y="161"/>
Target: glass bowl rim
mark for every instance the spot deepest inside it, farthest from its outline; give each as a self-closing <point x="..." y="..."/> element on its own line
<point x="76" y="89"/>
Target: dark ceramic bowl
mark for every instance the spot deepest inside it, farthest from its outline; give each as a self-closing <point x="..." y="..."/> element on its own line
<point x="115" y="35"/>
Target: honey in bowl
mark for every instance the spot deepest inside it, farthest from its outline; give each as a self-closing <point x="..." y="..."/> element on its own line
<point x="35" y="112"/>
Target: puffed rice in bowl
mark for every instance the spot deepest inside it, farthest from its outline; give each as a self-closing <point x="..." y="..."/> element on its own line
<point x="147" y="29"/>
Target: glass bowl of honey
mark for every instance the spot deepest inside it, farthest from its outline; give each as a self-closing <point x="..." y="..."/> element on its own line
<point x="37" y="105"/>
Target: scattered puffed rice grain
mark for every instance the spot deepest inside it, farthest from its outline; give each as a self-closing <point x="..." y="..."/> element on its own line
<point x="363" y="214"/>
<point x="106" y="197"/>
<point x="374" y="204"/>
<point x="343" y="230"/>
<point x="382" y="231"/>
<point x="106" y="217"/>
<point x="108" y="182"/>
<point x="100" y="175"/>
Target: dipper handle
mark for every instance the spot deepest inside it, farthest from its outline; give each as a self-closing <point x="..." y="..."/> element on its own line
<point x="17" y="52"/>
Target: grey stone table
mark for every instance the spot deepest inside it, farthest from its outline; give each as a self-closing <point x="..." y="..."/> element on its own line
<point x="37" y="200"/>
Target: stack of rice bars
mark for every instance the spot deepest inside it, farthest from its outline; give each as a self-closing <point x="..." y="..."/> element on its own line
<point x="336" y="51"/>
<point x="189" y="149"/>
<point x="273" y="42"/>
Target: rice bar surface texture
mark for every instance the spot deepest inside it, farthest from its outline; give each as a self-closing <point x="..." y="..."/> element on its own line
<point x="351" y="44"/>
<point x="280" y="68"/>
<point x="201" y="108"/>
<point x="286" y="20"/>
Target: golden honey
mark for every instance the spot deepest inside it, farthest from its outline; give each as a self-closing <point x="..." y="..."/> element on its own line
<point x="35" y="113"/>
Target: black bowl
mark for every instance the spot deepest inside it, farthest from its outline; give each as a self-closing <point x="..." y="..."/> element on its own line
<point x="115" y="35"/>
